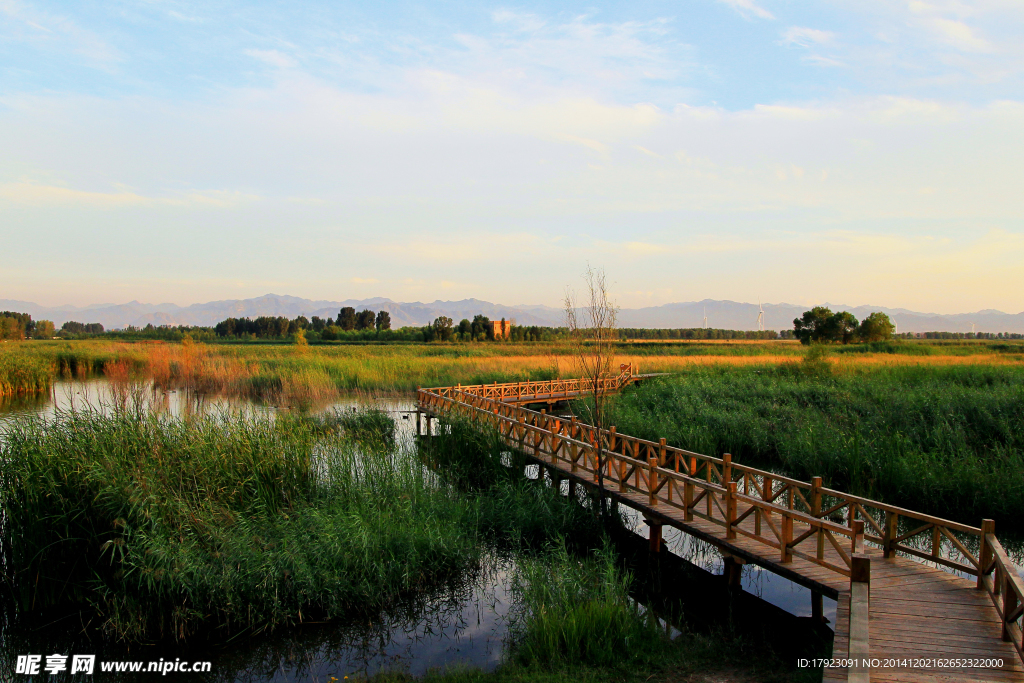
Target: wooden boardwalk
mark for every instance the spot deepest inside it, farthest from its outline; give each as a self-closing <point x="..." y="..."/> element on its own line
<point x="906" y="583"/>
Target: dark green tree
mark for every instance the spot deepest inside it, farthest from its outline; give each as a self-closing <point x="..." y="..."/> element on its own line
<point x="820" y="325"/>
<point x="443" y="328"/>
<point x="347" y="318"/>
<point x="813" y="325"/>
<point x="843" y="327"/>
<point x="383" y="320"/>
<point x="465" y="330"/>
<point x="482" y="327"/>
<point x="365" y="320"/>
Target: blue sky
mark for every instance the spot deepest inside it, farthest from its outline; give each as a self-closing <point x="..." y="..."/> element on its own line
<point x="858" y="152"/>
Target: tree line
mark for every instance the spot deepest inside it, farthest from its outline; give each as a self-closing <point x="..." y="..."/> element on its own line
<point x="15" y="326"/>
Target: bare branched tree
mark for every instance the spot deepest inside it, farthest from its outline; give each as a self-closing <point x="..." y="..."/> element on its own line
<point x="592" y="335"/>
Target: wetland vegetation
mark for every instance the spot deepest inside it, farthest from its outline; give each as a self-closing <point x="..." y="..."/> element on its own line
<point x="943" y="439"/>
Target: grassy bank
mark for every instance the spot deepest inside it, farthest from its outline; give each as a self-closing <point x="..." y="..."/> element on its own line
<point x="948" y="439"/>
<point x="293" y="374"/>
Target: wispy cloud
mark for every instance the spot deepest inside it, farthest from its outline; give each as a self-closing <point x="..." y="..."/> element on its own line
<point x="801" y="36"/>
<point x="748" y="8"/>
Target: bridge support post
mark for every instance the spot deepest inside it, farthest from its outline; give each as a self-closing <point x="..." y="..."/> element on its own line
<point x="817" y="607"/>
<point x="733" y="570"/>
<point x="419" y="428"/>
<point x="653" y="535"/>
<point x="572" y="489"/>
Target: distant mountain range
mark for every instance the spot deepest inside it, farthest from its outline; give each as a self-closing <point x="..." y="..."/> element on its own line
<point x="720" y="314"/>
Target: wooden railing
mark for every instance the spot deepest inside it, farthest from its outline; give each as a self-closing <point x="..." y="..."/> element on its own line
<point x="794" y="517"/>
<point x="999" y="578"/>
<point x="522" y="392"/>
<point x="797" y="518"/>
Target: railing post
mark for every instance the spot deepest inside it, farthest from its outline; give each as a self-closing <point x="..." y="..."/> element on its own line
<point x="860" y="606"/>
<point x="787" y="538"/>
<point x="661" y="452"/>
<point x="730" y="510"/>
<point x="572" y="456"/>
<point x="726" y="468"/>
<point x="988" y="526"/>
<point x="816" y="512"/>
<point x="1009" y="605"/>
<point x="611" y="438"/>
<point x="652" y="481"/>
<point x="889" y="538"/>
<point x="857" y="537"/>
<point x="688" y="500"/>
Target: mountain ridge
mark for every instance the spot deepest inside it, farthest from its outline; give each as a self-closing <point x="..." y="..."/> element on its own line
<point x="723" y="314"/>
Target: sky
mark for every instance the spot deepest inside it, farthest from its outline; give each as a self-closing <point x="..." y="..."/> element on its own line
<point x="845" y="151"/>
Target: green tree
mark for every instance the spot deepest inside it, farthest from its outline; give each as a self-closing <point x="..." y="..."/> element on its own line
<point x="465" y="330"/>
<point x="443" y="328"/>
<point x="44" y="329"/>
<point x="843" y="327"/>
<point x="347" y="318"/>
<point x="383" y="320"/>
<point x="820" y="325"/>
<point x="365" y="320"/>
<point x="813" y="325"/>
<point x="482" y="327"/>
<point x="875" y="327"/>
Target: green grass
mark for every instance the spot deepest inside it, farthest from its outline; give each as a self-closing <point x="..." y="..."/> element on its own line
<point x="572" y="610"/>
<point x="948" y="440"/>
<point x="276" y="372"/>
<point x="168" y="526"/>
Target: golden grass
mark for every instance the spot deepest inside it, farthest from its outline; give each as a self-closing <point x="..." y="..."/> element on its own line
<point x="303" y="374"/>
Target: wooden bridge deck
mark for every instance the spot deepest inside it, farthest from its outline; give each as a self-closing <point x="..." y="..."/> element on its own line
<point x="814" y="536"/>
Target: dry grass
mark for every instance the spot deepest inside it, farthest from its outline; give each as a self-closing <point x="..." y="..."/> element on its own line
<point x="303" y="374"/>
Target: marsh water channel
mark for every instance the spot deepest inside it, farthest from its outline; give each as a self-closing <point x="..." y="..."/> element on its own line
<point x="464" y="622"/>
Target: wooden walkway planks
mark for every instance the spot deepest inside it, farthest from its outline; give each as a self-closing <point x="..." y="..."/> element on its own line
<point x="916" y="610"/>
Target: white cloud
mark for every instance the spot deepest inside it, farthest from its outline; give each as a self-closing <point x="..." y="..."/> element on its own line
<point x="748" y="8"/>
<point x="961" y="36"/>
<point x="805" y="37"/>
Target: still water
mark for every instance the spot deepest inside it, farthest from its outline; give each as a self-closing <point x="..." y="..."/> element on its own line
<point x="464" y="623"/>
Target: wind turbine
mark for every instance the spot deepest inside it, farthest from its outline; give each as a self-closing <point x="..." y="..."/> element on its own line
<point x="760" y="316"/>
<point x="972" y="328"/>
<point x="705" y="317"/>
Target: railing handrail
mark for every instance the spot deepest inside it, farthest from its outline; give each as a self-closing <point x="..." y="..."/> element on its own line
<point x="674" y="452"/>
<point x="624" y="466"/>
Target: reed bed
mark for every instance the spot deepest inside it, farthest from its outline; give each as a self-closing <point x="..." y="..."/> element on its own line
<point x="169" y="527"/>
<point x="304" y="375"/>
<point x="571" y="610"/>
<point x="944" y="439"/>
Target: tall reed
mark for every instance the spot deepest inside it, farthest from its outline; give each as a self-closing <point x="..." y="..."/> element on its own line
<point x="172" y="526"/>
<point x="945" y="440"/>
